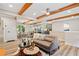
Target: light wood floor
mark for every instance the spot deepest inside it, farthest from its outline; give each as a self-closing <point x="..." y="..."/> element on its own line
<point x="10" y="47"/>
<point x="65" y="50"/>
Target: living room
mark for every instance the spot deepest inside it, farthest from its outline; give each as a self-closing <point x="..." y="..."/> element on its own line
<point x="39" y="29"/>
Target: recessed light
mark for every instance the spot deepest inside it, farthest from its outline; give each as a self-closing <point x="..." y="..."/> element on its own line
<point x="10" y="5"/>
<point x="34" y="14"/>
<point x="69" y="11"/>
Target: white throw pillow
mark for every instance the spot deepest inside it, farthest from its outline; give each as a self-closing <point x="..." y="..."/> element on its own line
<point x="41" y="37"/>
<point x="36" y="36"/>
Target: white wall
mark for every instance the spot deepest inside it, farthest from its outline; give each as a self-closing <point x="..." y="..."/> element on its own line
<point x="71" y="37"/>
<point x="9" y="28"/>
<point x="73" y="25"/>
<point x="1" y="31"/>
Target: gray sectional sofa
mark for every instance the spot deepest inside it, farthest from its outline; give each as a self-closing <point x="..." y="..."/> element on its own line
<point x="49" y="43"/>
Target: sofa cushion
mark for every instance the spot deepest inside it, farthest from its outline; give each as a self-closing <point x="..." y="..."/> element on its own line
<point x="36" y="36"/>
<point x="42" y="42"/>
<point x="41" y="36"/>
<point x="49" y="38"/>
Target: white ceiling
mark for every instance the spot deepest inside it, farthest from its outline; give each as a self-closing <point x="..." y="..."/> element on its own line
<point x="64" y="13"/>
<point x="38" y="8"/>
<point x="16" y="7"/>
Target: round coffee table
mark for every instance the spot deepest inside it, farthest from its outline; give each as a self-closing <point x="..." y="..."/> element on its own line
<point x="34" y="52"/>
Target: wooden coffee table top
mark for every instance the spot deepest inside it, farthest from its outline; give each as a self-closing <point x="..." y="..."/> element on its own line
<point x="31" y="52"/>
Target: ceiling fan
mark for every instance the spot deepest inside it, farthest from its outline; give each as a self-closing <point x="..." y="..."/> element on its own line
<point x="47" y="12"/>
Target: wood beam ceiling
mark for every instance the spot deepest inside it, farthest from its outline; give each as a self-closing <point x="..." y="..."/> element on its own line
<point x="27" y="5"/>
<point x="62" y="17"/>
<point x="60" y="10"/>
<point x="24" y="8"/>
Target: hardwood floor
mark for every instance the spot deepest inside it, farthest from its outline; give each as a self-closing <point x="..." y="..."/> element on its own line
<point x="10" y="47"/>
<point x="66" y="50"/>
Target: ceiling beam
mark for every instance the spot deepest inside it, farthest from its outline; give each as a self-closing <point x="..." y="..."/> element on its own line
<point x="67" y="16"/>
<point x="24" y="8"/>
<point x="34" y="23"/>
<point x="28" y="21"/>
<point x="60" y="10"/>
<point x="61" y="17"/>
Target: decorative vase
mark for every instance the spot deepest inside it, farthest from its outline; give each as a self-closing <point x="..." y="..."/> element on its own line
<point x="33" y="45"/>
